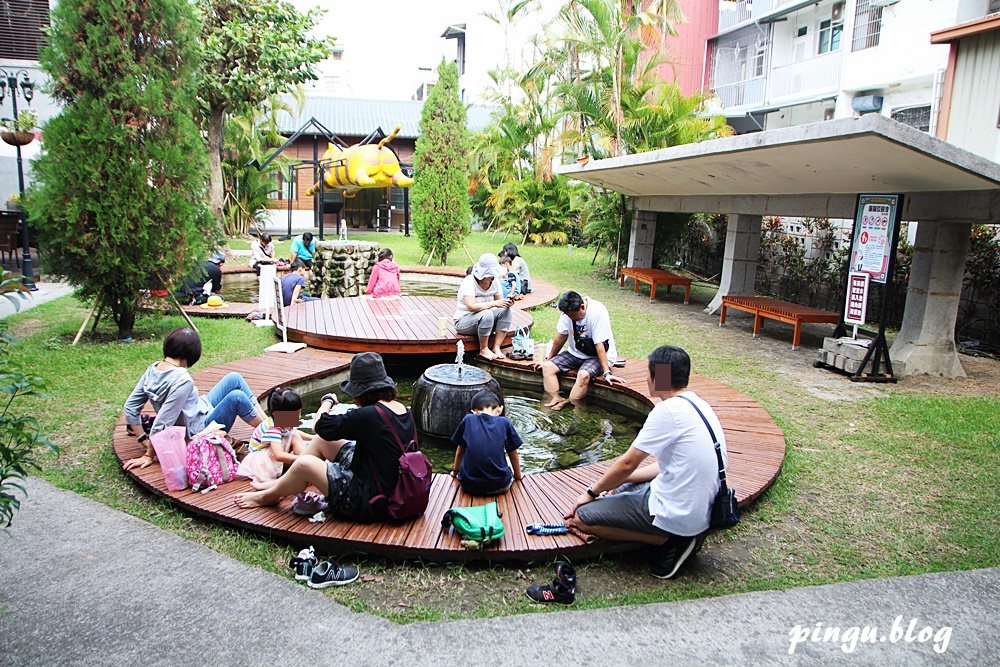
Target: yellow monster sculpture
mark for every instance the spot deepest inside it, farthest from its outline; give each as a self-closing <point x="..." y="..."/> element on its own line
<point x="362" y="166"/>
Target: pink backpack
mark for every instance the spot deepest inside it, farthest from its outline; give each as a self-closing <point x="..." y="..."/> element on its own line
<point x="210" y="461"/>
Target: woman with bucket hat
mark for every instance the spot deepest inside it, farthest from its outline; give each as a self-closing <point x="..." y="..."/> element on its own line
<point x="482" y="309"/>
<point x="354" y="458"/>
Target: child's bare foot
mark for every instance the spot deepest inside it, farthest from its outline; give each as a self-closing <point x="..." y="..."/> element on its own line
<point x="263" y="486"/>
<point x="254" y="499"/>
<point x="498" y="354"/>
<point x="487" y="354"/>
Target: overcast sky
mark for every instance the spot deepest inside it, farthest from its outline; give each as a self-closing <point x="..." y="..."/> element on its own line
<point x="386" y="42"/>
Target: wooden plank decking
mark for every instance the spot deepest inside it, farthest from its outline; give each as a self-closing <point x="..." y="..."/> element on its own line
<point x="776" y="309"/>
<point x="755" y="443"/>
<point x="403" y="325"/>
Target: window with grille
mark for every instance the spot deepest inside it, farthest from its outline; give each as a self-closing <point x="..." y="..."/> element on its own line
<point x="918" y="117"/>
<point x="867" y="25"/>
<point x="994" y="7"/>
<point x="21" y="26"/>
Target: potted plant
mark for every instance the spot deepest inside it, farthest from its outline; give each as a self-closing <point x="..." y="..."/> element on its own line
<point x="14" y="202"/>
<point x="21" y="131"/>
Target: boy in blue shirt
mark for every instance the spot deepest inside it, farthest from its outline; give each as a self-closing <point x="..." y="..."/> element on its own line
<point x="510" y="282"/>
<point x="485" y="440"/>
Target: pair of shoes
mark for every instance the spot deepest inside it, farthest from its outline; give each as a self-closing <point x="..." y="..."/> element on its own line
<point x="518" y="355"/>
<point x="546" y="529"/>
<point x="671" y="556"/>
<point x="328" y="574"/>
<point x="303" y="564"/>
<point x="562" y="590"/>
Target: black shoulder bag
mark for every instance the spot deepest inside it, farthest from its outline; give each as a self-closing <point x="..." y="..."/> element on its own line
<point x="725" y="511"/>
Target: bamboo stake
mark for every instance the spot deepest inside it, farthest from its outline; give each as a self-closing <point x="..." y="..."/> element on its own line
<point x="186" y="317"/>
<point x="467" y="254"/>
<point x="97" y="319"/>
<point x="86" y="321"/>
<point x="430" y="258"/>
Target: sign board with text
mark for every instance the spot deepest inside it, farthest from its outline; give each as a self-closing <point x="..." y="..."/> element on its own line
<point x="856" y="307"/>
<point x="874" y="224"/>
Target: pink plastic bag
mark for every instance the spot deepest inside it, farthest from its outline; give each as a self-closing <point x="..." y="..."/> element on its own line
<point x="171" y="451"/>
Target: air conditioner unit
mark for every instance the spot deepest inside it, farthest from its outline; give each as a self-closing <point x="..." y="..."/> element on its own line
<point x="867" y="103"/>
<point x="838" y="11"/>
<point x="883" y="3"/>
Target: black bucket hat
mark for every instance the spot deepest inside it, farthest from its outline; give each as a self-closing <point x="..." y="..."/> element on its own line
<point x="367" y="374"/>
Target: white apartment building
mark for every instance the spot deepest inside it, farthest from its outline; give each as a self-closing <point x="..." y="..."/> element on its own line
<point x="776" y="63"/>
<point x="779" y="63"/>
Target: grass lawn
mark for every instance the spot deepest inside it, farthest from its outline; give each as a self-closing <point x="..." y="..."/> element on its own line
<point x="878" y="480"/>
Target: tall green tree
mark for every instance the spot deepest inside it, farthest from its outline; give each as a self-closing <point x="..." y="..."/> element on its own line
<point x="120" y="187"/>
<point x="440" y="197"/>
<point x="251" y="50"/>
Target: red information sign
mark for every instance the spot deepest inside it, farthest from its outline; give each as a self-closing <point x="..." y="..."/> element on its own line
<point x="857" y="299"/>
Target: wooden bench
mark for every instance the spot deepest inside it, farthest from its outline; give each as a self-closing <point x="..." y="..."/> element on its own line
<point x="775" y="309"/>
<point x="754" y="442"/>
<point x="654" y="277"/>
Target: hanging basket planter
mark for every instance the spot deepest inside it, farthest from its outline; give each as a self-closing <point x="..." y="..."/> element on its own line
<point x="17" y="137"/>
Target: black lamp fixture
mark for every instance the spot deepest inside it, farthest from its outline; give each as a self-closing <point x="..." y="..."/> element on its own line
<point x="12" y="80"/>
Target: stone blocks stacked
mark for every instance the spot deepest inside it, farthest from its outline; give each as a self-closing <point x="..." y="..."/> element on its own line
<point x="847" y="355"/>
<point x="342" y="268"/>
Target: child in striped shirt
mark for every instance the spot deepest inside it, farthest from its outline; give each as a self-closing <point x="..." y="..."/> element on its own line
<point x="276" y="441"/>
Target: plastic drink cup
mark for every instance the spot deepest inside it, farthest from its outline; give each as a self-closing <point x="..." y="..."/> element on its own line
<point x="442" y="326"/>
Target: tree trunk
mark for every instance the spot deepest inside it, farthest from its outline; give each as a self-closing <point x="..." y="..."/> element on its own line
<point x="216" y="183"/>
<point x="123" y="313"/>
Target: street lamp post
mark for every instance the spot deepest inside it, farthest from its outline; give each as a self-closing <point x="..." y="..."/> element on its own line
<point x="12" y="80"/>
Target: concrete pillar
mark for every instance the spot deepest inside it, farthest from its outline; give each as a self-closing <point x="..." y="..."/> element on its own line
<point x="640" y="245"/>
<point x="926" y="340"/>
<point x="739" y="266"/>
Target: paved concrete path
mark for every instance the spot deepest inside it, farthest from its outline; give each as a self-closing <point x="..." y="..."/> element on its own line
<point x="45" y="292"/>
<point x="84" y="584"/>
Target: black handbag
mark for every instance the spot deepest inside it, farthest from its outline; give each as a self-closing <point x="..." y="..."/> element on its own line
<point x="725" y="511"/>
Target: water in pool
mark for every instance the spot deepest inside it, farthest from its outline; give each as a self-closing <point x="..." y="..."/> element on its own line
<point x="552" y="440"/>
<point x="242" y="287"/>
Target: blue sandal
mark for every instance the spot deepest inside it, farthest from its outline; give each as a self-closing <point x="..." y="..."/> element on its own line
<point x="546" y="529"/>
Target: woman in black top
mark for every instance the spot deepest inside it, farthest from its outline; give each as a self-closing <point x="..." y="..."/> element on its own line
<point x="355" y="456"/>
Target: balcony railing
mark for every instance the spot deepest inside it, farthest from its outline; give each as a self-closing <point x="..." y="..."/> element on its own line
<point x="734" y="13"/>
<point x="816" y="75"/>
<point x="742" y="93"/>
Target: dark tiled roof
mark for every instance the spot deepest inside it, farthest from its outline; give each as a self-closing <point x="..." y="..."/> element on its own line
<point x="348" y="117"/>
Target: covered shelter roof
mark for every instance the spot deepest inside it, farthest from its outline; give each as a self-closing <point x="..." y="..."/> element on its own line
<point x="810" y="170"/>
<point x="349" y="117"/>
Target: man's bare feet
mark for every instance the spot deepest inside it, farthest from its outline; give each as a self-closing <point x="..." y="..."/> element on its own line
<point x="562" y="403"/>
<point x="253" y="499"/>
<point x="555" y="400"/>
<point x="263" y="486"/>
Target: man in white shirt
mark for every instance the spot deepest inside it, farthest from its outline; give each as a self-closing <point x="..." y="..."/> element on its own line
<point x="666" y="503"/>
<point x="586" y="325"/>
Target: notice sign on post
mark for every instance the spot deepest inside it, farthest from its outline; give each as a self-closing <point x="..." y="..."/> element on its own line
<point x="873" y="234"/>
<point x="857" y="299"/>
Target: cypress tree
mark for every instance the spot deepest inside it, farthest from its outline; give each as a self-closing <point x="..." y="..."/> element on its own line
<point x="440" y="193"/>
<point x="119" y="191"/>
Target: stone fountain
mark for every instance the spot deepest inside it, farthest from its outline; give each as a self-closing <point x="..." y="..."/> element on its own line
<point x="442" y="396"/>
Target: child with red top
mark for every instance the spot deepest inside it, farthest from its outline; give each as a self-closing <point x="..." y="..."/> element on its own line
<point x="385" y="276"/>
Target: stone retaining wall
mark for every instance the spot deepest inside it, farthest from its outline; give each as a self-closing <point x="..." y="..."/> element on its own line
<point x="342" y="268"/>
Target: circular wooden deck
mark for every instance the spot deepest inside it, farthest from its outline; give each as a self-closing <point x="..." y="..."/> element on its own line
<point x="755" y="444"/>
<point x="396" y="325"/>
